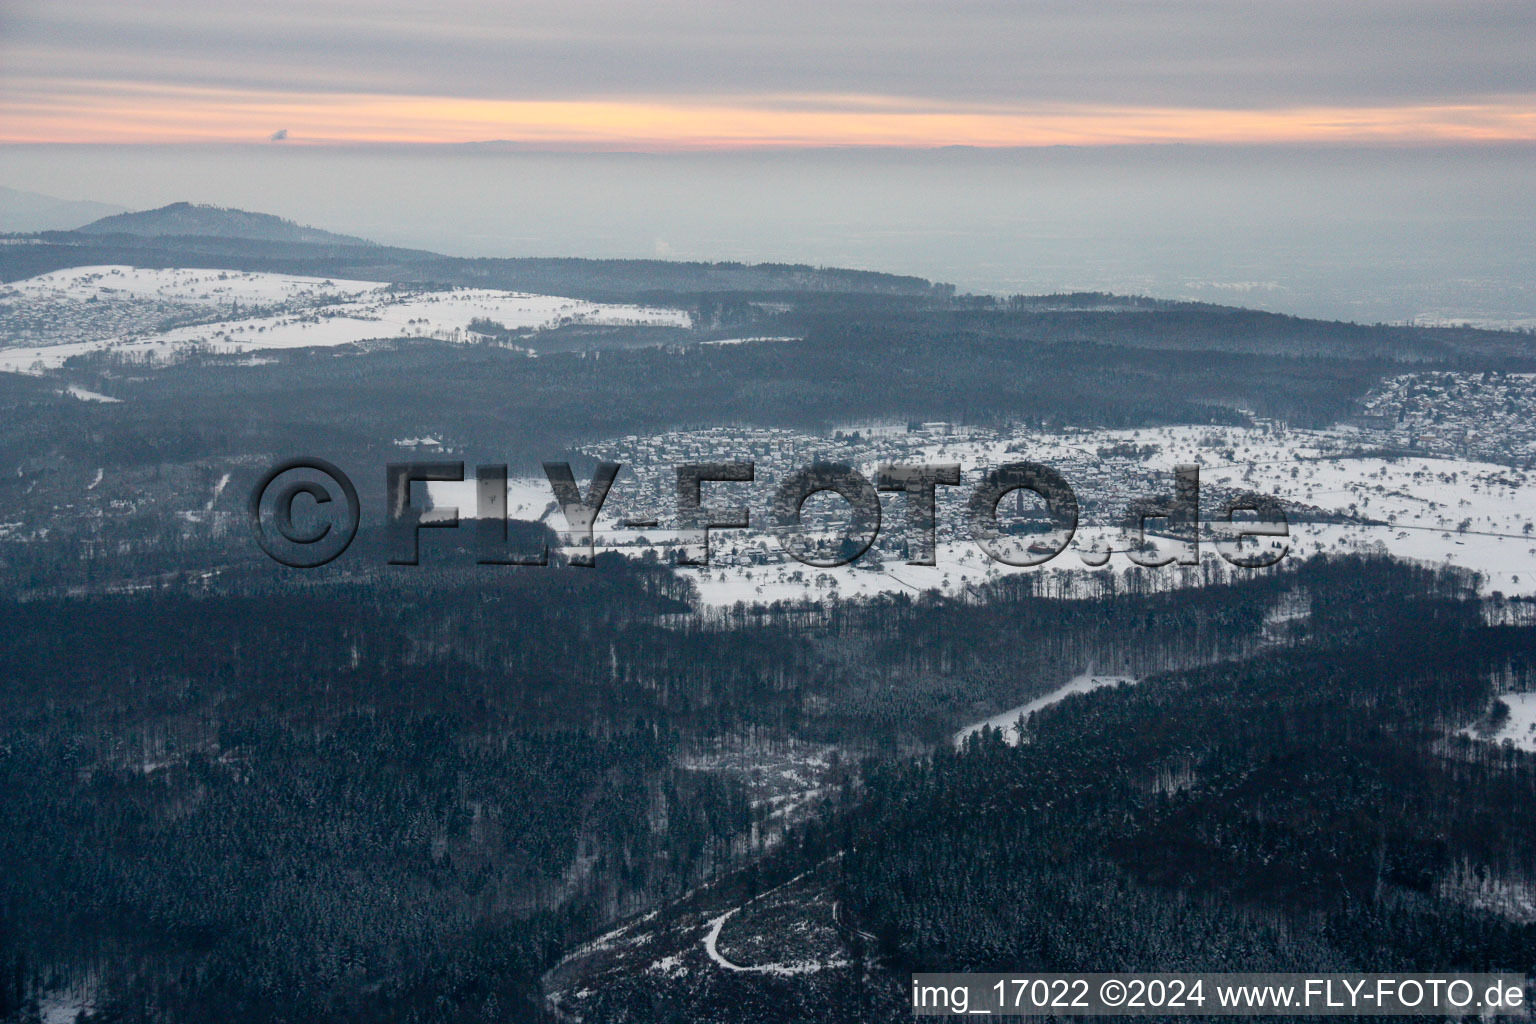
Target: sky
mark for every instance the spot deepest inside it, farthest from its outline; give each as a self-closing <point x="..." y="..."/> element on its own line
<point x="665" y="75"/>
<point x="1358" y="159"/>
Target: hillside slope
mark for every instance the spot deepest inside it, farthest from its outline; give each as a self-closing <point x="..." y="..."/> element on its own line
<point x="183" y="219"/>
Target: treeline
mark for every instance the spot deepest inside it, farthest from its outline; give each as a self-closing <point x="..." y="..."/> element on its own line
<point x="597" y="279"/>
<point x="565" y="647"/>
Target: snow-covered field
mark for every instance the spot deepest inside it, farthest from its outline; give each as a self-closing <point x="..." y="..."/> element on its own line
<point x="76" y="391"/>
<point x="1007" y="721"/>
<point x="1462" y="512"/>
<point x="528" y="498"/>
<point x="743" y="341"/>
<point x="1520" y="727"/>
<point x="252" y="311"/>
<point x="200" y="287"/>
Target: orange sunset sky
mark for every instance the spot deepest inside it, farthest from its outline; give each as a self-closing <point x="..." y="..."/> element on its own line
<point x="664" y="76"/>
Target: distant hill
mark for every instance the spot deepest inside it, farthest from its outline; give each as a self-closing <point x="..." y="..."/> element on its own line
<point x="660" y="282"/>
<point x="33" y="211"/>
<point x="191" y="219"/>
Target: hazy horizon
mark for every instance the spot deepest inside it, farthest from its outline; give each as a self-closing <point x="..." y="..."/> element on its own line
<point x="1369" y="234"/>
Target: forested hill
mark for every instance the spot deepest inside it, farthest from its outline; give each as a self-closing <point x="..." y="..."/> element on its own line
<point x="254" y="242"/>
<point x="195" y="219"/>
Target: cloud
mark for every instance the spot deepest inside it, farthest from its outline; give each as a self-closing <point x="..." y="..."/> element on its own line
<point x="128" y="112"/>
<point x="979" y="55"/>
